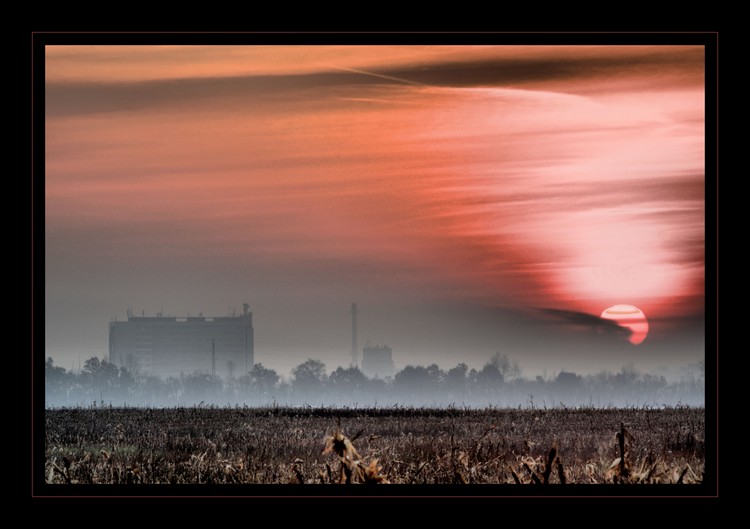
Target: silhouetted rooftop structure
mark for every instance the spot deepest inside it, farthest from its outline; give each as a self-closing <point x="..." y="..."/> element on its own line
<point x="170" y="346"/>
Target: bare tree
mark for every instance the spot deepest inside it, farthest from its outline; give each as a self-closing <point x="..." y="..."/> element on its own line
<point x="507" y="367"/>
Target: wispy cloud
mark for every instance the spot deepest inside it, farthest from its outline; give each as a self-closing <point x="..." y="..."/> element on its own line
<point x="510" y="177"/>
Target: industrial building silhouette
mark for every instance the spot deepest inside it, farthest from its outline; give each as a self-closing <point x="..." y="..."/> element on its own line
<point x="172" y="346"/>
<point x="377" y="361"/>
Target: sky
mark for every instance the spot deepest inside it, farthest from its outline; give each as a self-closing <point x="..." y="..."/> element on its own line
<point x="470" y="199"/>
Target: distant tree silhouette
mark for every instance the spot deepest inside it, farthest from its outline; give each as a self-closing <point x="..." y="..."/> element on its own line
<point x="260" y="382"/>
<point x="567" y="386"/>
<point x="489" y="377"/>
<point x="346" y="379"/>
<point x="198" y="387"/>
<point x="105" y="381"/>
<point x="455" y="379"/>
<point x="309" y="377"/>
<point x="125" y="379"/>
<point x="100" y="380"/>
<point x="155" y="391"/>
<point x="568" y="380"/>
<point x="419" y="384"/>
<point x="100" y="371"/>
<point x="53" y="374"/>
<point x="412" y="378"/>
<point x="57" y="382"/>
<point x="506" y="366"/>
<point x="627" y="377"/>
<point x="349" y="385"/>
<point x="435" y="374"/>
<point x="263" y="377"/>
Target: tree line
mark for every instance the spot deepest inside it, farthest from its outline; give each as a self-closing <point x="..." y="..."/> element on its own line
<point x="498" y="383"/>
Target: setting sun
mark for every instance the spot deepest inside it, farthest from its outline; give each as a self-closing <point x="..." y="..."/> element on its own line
<point x="631" y="318"/>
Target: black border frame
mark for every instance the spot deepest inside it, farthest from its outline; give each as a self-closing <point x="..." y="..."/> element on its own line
<point x="709" y="39"/>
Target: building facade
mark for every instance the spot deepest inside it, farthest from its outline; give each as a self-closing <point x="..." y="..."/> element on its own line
<point x="377" y="361"/>
<point x="170" y="346"/>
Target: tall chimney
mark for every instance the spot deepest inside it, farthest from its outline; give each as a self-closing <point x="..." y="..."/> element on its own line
<point x="355" y="353"/>
<point x="213" y="358"/>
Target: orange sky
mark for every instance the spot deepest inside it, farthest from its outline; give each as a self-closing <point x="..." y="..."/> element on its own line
<point x="512" y="177"/>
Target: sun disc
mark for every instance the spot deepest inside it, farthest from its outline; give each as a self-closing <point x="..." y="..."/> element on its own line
<point x="631" y="318"/>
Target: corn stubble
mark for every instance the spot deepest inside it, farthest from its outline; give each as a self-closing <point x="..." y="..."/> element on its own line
<point x="394" y="445"/>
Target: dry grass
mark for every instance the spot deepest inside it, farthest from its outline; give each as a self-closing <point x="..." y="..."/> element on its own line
<point x="422" y="446"/>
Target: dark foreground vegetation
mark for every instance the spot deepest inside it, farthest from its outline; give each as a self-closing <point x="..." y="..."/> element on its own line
<point x="206" y="445"/>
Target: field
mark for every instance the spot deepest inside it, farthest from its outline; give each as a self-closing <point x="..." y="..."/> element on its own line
<point x="374" y="446"/>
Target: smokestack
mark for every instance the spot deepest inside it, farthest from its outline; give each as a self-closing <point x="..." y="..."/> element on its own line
<point x="213" y="358"/>
<point x="355" y="353"/>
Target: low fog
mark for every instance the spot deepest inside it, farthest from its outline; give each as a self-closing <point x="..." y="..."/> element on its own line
<point x="499" y="383"/>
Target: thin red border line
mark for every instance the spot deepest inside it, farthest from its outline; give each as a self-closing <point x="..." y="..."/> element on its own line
<point x="33" y="444"/>
<point x="716" y="183"/>
<point x="335" y="497"/>
<point x="355" y="32"/>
